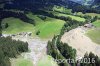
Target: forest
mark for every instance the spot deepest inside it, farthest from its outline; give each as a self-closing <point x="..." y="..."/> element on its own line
<point x="10" y="48"/>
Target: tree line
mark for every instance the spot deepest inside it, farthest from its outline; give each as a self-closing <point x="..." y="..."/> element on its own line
<point x="90" y="59"/>
<point x="59" y="50"/>
<point x="7" y="14"/>
<point x="62" y="52"/>
<point x="10" y="49"/>
<point x="22" y="16"/>
<point x="49" y="14"/>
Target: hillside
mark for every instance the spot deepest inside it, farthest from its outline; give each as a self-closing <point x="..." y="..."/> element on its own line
<point x="49" y="32"/>
<point x="77" y="39"/>
<point x="84" y="2"/>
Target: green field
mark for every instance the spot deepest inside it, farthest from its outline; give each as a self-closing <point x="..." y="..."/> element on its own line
<point x="47" y="61"/>
<point x="50" y="28"/>
<point x="47" y="28"/>
<point x="73" y="17"/>
<point x="17" y="25"/>
<point x="97" y="23"/>
<point x="35" y="18"/>
<point x="65" y="10"/>
<point x="22" y="62"/>
<point x="62" y="9"/>
<point x="90" y="14"/>
<point x="94" y="34"/>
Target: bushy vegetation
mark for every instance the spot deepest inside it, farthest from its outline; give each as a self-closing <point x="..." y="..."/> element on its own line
<point x="92" y="60"/>
<point x="60" y="51"/>
<point x="10" y="49"/>
<point x="22" y="16"/>
<point x="81" y="8"/>
<point x="54" y="52"/>
<point x="71" y="16"/>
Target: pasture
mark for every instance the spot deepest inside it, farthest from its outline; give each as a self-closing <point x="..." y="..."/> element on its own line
<point x="94" y="34"/>
<point x="73" y="17"/>
<point x="16" y="25"/>
<point x="90" y="14"/>
<point x="96" y="23"/>
<point x="47" y="28"/>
